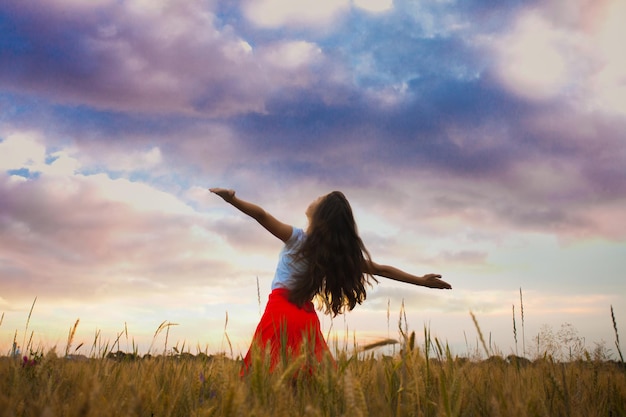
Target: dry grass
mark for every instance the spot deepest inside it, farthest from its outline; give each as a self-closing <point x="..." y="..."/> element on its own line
<point x="411" y="383"/>
<point x="420" y="380"/>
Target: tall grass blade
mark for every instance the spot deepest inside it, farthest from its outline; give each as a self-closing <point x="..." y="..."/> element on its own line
<point x="403" y="331"/>
<point x="30" y="313"/>
<point x="514" y="331"/>
<point x="258" y="294"/>
<point x="157" y="331"/>
<point x="388" y="315"/>
<point x="380" y="343"/>
<point x="117" y="341"/>
<point x="225" y="337"/>
<point x="29" y="345"/>
<point x="96" y="338"/>
<point x="480" y="334"/>
<point x="15" y="347"/>
<point x="616" y="335"/>
<point x="167" y="335"/>
<point x="70" y="337"/>
<point x="521" y="302"/>
<point x="126" y="333"/>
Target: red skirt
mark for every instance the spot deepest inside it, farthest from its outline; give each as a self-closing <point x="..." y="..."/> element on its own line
<point x="286" y="332"/>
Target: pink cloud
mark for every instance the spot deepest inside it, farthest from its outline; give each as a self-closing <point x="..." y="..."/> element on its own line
<point x="66" y="237"/>
<point x="130" y="57"/>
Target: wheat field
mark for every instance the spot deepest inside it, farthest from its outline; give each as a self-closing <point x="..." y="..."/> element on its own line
<point x="417" y="381"/>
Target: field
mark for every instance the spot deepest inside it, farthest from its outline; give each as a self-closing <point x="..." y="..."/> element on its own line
<point x="416" y="381"/>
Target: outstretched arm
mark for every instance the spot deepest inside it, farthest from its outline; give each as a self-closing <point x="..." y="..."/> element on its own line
<point x="391" y="272"/>
<point x="270" y="223"/>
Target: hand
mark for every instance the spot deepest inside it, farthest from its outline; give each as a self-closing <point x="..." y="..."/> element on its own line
<point x="226" y="194"/>
<point x="435" y="281"/>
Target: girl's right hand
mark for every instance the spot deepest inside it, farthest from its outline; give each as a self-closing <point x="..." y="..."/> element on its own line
<point x="226" y="194"/>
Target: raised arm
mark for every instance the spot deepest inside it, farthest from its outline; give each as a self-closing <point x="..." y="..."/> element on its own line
<point x="270" y="223"/>
<point x="391" y="272"/>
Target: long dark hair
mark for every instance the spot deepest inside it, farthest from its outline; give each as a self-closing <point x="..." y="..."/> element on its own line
<point x="335" y="258"/>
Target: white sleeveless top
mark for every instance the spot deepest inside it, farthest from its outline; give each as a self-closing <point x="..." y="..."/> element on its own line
<point x="287" y="267"/>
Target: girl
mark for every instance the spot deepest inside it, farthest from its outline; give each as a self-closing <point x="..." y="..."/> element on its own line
<point x="329" y="261"/>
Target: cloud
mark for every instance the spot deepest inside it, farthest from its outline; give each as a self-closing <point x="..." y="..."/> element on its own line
<point x="607" y="84"/>
<point x="566" y="50"/>
<point x="307" y="13"/>
<point x="128" y="57"/>
<point x="21" y="150"/>
<point x="290" y="54"/>
<point x="462" y="257"/>
<point x="113" y="158"/>
<point x="375" y="6"/>
<point x="71" y="235"/>
<point x="533" y="59"/>
<point x="429" y="300"/>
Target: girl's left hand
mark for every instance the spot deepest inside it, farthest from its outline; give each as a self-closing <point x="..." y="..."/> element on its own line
<point x="435" y="281"/>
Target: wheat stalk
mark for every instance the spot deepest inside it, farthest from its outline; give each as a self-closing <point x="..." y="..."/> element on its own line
<point x="167" y="335"/>
<point x="230" y="346"/>
<point x="388" y="311"/>
<point x="30" y="342"/>
<point x="126" y="333"/>
<point x="404" y="332"/>
<point x="28" y="321"/>
<point x="258" y="294"/>
<point x="616" y="335"/>
<point x="14" y="352"/>
<point x="514" y="330"/>
<point x="380" y="343"/>
<point x="92" y="352"/>
<point x="164" y="325"/>
<point x="521" y="302"/>
<point x="70" y="337"/>
<point x="480" y="334"/>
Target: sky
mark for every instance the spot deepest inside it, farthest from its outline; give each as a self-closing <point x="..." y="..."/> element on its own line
<point x="480" y="140"/>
